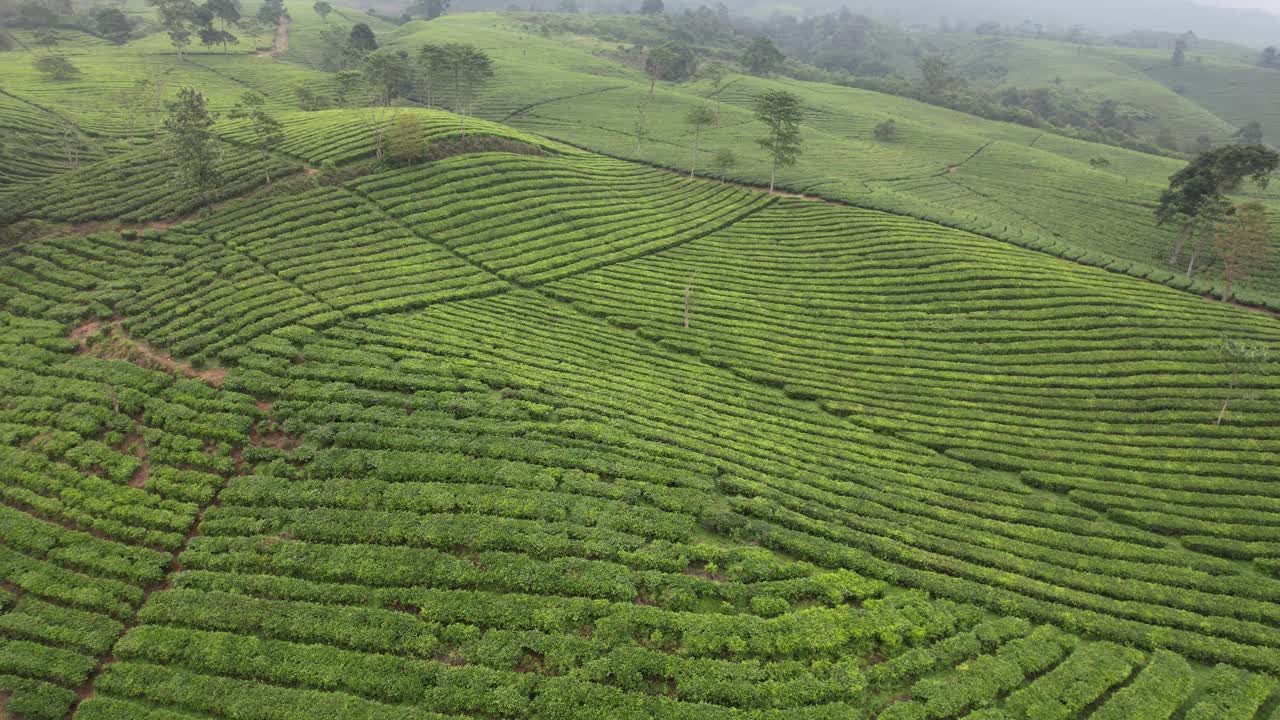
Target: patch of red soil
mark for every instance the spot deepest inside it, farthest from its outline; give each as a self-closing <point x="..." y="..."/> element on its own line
<point x="140" y="478"/>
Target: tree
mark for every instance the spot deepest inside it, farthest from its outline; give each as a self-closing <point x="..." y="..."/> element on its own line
<point x="1167" y="140"/>
<point x="887" y="131"/>
<point x="723" y="161"/>
<point x="1242" y="360"/>
<point x="112" y="24"/>
<point x="271" y="11"/>
<point x="406" y="145"/>
<point x="268" y="134"/>
<point x="640" y="128"/>
<point x="389" y="73"/>
<point x="569" y="7"/>
<point x="715" y="73"/>
<point x="1270" y="58"/>
<point x="470" y="69"/>
<point x="323" y="9"/>
<point x="432" y="9"/>
<point x="1200" y="187"/>
<point x="225" y="11"/>
<point x="307" y="98"/>
<point x="192" y="144"/>
<point x="433" y="61"/>
<point x="936" y="72"/>
<point x="1099" y="163"/>
<point x="762" y="56"/>
<point x="56" y="67"/>
<point x="781" y="112"/>
<point x="1243" y="245"/>
<point x="699" y="118"/>
<point x="361" y="39"/>
<point x="176" y="16"/>
<point x="1179" y="52"/>
<point x="671" y="63"/>
<point x="652" y="7"/>
<point x="1250" y="134"/>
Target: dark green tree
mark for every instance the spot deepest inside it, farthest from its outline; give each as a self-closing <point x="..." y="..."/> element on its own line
<point x="1198" y="191"/>
<point x="323" y="9"/>
<point x="192" y="144"/>
<point x="271" y="11"/>
<point x="781" y="112"/>
<point x="177" y="18"/>
<point x="433" y="64"/>
<point x="762" y="56"/>
<point x="1179" y="52"/>
<point x="887" y="131"/>
<point x="361" y="39"/>
<point x="652" y="7"/>
<point x="470" y="69"/>
<point x="225" y="12"/>
<point x="112" y="24"/>
<point x="1270" y="58"/>
<point x="670" y="63"/>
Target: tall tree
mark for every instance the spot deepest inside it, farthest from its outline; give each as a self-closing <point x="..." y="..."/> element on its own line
<point x="762" y="56"/>
<point x="1199" y="189"/>
<point x="1270" y="58"/>
<point x="268" y="134"/>
<point x="177" y="17"/>
<point x="225" y="12"/>
<point x="714" y="72"/>
<point x="361" y="39"/>
<point x="699" y="118"/>
<point x="192" y="144"/>
<point x="112" y="24"/>
<point x="323" y="9"/>
<point x="652" y="7"/>
<point x="430" y="9"/>
<point x="781" y="113"/>
<point x="671" y="63"/>
<point x="271" y="11"/>
<point x="1179" y="52"/>
<point x="389" y="73"/>
<point x="433" y="62"/>
<point x="470" y="69"/>
<point x="937" y="74"/>
<point x="1243" y="245"/>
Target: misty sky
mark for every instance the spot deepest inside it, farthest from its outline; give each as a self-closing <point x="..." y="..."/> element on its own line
<point x="1268" y="5"/>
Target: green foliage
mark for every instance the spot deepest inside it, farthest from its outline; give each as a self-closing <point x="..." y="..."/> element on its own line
<point x="56" y="67"/>
<point x="762" y="57"/>
<point x="192" y="144"/>
<point x="781" y="113"/>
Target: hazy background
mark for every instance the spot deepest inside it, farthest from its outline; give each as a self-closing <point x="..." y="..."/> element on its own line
<point x="1254" y="22"/>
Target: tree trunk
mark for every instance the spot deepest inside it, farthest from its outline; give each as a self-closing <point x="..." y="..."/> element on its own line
<point x="773" y="177"/>
<point x="1183" y="234"/>
<point x="1223" y="413"/>
<point x="1191" y="266"/>
<point x="693" y="162"/>
<point x="1226" y="289"/>
<point x="653" y="84"/>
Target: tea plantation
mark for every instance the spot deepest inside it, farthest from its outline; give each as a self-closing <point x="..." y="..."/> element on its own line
<point x="530" y="430"/>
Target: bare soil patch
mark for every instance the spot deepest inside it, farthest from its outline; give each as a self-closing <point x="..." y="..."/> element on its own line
<point x="118" y="345"/>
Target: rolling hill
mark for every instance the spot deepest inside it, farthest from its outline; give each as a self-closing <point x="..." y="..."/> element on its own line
<point x="543" y="428"/>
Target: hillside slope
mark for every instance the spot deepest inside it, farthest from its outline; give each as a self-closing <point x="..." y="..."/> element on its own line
<point x="445" y="449"/>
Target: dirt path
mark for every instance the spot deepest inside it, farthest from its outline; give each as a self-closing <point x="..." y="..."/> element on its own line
<point x="280" y="41"/>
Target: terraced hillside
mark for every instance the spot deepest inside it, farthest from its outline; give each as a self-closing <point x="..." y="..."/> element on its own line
<point x="944" y="167"/>
<point x="436" y="442"/>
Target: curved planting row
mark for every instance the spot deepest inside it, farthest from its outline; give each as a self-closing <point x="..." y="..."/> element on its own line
<point x="534" y="220"/>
